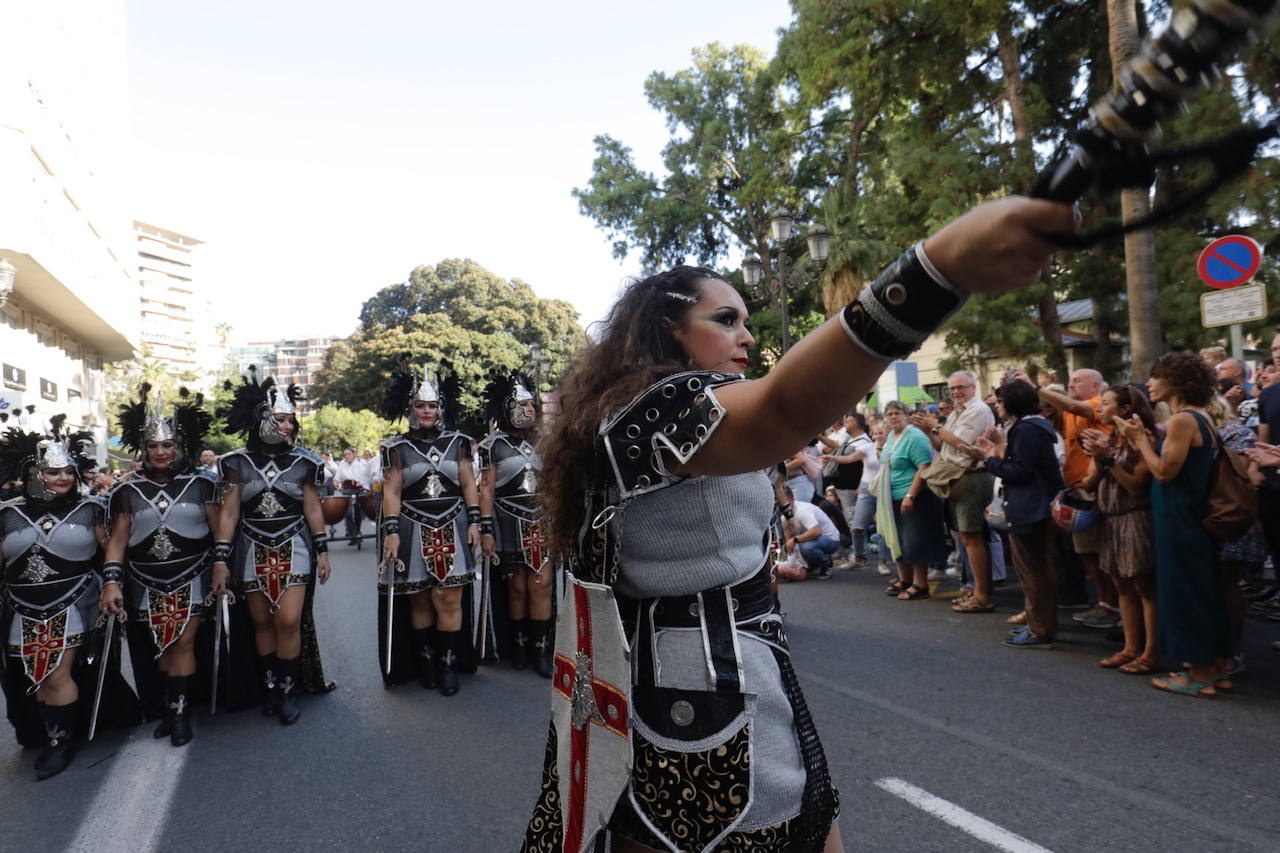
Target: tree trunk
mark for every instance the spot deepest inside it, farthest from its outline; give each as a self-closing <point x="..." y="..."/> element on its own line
<point x="845" y="285"/>
<point x="1145" y="338"/>
<point x="1015" y="96"/>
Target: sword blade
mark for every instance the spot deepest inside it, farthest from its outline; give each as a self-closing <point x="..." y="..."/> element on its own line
<point x="108" y="636"/>
<point x="482" y="623"/>
<point x="217" y="654"/>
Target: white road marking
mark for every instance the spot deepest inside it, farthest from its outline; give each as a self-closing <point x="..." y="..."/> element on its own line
<point x="132" y="804"/>
<point x="980" y="828"/>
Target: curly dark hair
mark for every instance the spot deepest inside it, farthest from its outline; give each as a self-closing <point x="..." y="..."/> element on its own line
<point x="1188" y="375"/>
<point x="635" y="349"/>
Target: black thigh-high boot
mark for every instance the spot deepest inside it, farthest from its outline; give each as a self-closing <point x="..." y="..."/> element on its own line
<point x="270" y="678"/>
<point x="520" y="643"/>
<point x="543" y="648"/>
<point x="449" y="646"/>
<point x="424" y="652"/>
<point x="60" y="727"/>
<point x="289" y="712"/>
<point x="179" y="709"/>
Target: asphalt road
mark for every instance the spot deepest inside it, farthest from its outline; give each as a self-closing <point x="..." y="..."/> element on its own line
<point x="1044" y="745"/>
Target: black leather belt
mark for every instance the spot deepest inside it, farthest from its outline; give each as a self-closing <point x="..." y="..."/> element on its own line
<point x="749" y="599"/>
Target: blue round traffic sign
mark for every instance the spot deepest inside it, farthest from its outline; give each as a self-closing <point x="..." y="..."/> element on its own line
<point x="1229" y="261"/>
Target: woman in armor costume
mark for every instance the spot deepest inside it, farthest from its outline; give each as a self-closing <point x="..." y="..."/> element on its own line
<point x="430" y="524"/>
<point x="160" y="549"/>
<point x="50" y="541"/>
<point x="510" y="535"/>
<point x="677" y="720"/>
<point x="272" y="541"/>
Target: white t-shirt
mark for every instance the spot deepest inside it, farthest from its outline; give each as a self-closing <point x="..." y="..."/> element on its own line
<point x="870" y="462"/>
<point x="807" y="515"/>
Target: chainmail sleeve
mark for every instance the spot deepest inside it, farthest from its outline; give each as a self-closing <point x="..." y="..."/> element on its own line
<point x="662" y="428"/>
<point x="119" y="501"/>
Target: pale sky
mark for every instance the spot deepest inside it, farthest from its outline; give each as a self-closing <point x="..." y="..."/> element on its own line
<point x="323" y="149"/>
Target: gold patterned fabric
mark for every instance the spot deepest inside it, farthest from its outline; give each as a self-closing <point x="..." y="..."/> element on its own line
<point x="544" y="833"/>
<point x="692" y="797"/>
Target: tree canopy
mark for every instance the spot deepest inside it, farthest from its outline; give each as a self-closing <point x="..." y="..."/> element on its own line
<point x="456" y="311"/>
<point x="884" y="119"/>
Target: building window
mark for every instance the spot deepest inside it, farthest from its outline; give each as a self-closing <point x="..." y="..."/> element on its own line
<point x="15" y="378"/>
<point x="11" y="316"/>
<point x="46" y="334"/>
<point x="73" y="396"/>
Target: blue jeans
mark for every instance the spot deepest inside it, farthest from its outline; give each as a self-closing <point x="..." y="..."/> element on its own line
<point x="817" y="552"/>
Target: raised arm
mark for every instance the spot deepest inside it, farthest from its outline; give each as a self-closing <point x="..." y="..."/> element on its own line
<point x="997" y="246"/>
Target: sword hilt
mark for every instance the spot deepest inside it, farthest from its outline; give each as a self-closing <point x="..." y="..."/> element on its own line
<point x="1166" y="72"/>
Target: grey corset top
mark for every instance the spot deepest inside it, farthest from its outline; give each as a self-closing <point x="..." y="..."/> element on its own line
<point x="693" y="535"/>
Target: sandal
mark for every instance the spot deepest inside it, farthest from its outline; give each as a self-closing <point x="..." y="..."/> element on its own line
<point x="973" y="604"/>
<point x="1223" y="682"/>
<point x="895" y="588"/>
<point x="1138" y="666"/>
<point x="1117" y="660"/>
<point x="1200" y="689"/>
<point x="1017" y="619"/>
<point x="914" y="593"/>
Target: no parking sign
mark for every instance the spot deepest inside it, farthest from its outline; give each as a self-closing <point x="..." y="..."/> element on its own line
<point x="1229" y="261"/>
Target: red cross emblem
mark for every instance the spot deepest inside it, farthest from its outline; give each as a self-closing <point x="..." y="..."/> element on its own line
<point x="44" y="647"/>
<point x="436" y="553"/>
<point x="532" y="542"/>
<point x="169" y="615"/>
<point x="273" y="567"/>
<point x="595" y="707"/>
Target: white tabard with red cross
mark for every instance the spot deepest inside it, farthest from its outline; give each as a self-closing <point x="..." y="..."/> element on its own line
<point x="590" y="706"/>
<point x="438" y="549"/>
<point x="531" y="543"/>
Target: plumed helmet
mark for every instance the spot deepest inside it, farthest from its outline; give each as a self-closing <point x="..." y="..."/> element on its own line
<point x="254" y="405"/>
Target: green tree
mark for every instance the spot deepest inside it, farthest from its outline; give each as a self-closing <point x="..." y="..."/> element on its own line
<point x="455" y="311"/>
<point x="332" y="429"/>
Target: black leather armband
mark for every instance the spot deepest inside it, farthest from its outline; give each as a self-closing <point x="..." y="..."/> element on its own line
<point x="391" y="525"/>
<point x="894" y="314"/>
<point x="473" y="515"/>
<point x="486" y="524"/>
<point x="222" y="551"/>
<point x="319" y="542"/>
<point x="111" y="571"/>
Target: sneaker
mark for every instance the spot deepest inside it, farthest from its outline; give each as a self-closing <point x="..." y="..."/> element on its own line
<point x="1269" y="605"/>
<point x="936" y="575"/>
<point x="1028" y="640"/>
<point x="1103" y="623"/>
<point x="883" y="569"/>
<point x="1074" y="604"/>
<point x="823" y="574"/>
<point x="1256" y="592"/>
<point x="853" y="564"/>
<point x="952" y="573"/>
<point x="1095" y="612"/>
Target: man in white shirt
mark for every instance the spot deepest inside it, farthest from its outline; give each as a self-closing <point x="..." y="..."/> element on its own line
<point x="348" y="479"/>
<point x="814" y="534"/>
<point x="970" y="494"/>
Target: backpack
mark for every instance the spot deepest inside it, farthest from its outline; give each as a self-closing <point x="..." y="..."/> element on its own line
<point x="1232" y="500"/>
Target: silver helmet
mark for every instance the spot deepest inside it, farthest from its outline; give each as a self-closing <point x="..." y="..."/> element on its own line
<point x="278" y="402"/>
<point x="157" y="427"/>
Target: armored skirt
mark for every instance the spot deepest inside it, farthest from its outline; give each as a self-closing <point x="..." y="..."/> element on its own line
<point x="719" y="750"/>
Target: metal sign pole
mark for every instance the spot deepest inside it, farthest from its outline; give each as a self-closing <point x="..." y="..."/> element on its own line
<point x="1237" y="341"/>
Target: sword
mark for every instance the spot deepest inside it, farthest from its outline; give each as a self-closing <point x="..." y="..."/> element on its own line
<point x="482" y="623"/>
<point x="219" y="625"/>
<point x="108" y="635"/>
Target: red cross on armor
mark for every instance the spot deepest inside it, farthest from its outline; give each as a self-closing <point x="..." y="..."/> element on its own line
<point x="437" y="552"/>
<point x="44" y="649"/>
<point x="532" y="543"/>
<point x="169" y="622"/>
<point x="594" y="703"/>
<point x="273" y="570"/>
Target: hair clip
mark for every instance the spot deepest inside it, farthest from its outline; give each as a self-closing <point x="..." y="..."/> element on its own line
<point x="683" y="297"/>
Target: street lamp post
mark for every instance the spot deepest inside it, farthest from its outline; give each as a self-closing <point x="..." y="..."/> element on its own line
<point x="539" y="364"/>
<point x="780" y="224"/>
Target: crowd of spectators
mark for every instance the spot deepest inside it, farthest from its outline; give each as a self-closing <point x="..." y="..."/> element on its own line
<point x="1094" y="494"/>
